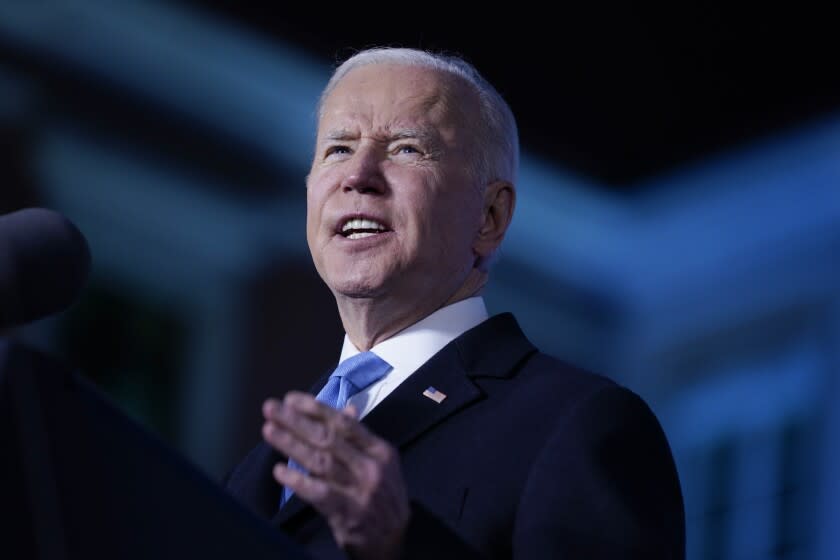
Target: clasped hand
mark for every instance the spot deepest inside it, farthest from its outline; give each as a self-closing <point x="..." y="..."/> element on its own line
<point x="353" y="478"/>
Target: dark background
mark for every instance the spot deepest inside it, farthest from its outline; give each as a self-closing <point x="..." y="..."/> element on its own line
<point x="612" y="90"/>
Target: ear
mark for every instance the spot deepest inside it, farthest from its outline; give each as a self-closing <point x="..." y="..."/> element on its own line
<point x="499" y="202"/>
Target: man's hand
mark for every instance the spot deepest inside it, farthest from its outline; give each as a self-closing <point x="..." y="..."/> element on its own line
<point x="353" y="477"/>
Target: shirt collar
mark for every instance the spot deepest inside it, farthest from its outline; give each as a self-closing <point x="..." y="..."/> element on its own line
<point x="412" y="347"/>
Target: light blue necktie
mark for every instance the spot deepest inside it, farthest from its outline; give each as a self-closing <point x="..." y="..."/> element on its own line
<point x="351" y="376"/>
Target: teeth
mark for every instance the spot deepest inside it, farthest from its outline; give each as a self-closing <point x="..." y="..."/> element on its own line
<point x="358" y="223"/>
<point x="360" y="235"/>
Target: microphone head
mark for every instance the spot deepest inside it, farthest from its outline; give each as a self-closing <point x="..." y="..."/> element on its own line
<point x="44" y="264"/>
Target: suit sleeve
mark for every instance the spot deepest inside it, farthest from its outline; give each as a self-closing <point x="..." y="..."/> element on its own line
<point x="604" y="486"/>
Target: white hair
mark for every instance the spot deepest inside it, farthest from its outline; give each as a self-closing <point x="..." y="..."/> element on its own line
<point x="496" y="148"/>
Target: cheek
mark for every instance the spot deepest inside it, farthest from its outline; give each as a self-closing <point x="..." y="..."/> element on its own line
<point x="459" y="213"/>
<point x="314" y="207"/>
<point x="311" y="222"/>
<point x="446" y="227"/>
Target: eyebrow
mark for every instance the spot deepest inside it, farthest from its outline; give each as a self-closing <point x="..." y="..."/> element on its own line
<point x="408" y="133"/>
<point x="340" y="134"/>
<point x="403" y="134"/>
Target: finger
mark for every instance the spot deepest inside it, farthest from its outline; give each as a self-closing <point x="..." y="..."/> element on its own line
<point x="334" y="462"/>
<point x="309" y="405"/>
<point x="331" y="500"/>
<point x="282" y="439"/>
<point x="317" y="424"/>
<point x="351" y="411"/>
<point x="352" y="444"/>
<point x="303" y="426"/>
<point x="306" y="487"/>
<point x="268" y="407"/>
<point x="356" y="433"/>
<point x="378" y="448"/>
<point x="343" y="424"/>
<point x="332" y="433"/>
<point x="318" y="461"/>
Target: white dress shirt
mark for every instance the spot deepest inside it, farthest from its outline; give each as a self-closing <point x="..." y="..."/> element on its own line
<point x="412" y="347"/>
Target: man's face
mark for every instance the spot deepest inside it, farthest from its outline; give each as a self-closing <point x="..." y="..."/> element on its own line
<point x="392" y="208"/>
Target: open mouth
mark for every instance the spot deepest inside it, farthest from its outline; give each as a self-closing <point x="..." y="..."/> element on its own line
<point x="359" y="228"/>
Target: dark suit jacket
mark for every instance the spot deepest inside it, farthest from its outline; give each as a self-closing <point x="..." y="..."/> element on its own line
<point x="527" y="457"/>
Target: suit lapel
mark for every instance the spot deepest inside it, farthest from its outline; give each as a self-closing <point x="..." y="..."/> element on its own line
<point x="406" y="413"/>
<point x="493" y="349"/>
<point x="253" y="482"/>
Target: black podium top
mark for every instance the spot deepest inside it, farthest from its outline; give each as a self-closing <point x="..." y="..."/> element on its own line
<point x="82" y="480"/>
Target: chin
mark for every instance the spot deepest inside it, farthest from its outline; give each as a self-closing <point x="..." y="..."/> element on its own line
<point x="357" y="287"/>
<point x="358" y="292"/>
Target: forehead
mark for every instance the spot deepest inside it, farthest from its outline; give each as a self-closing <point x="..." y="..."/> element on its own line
<point x="382" y="97"/>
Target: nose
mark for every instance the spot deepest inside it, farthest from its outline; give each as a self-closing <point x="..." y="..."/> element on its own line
<point x="364" y="173"/>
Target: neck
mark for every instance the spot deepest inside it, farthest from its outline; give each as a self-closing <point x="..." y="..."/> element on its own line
<point x="369" y="321"/>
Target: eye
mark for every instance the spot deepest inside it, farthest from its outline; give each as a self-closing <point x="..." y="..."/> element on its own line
<point x="406" y="149"/>
<point x="337" y="149"/>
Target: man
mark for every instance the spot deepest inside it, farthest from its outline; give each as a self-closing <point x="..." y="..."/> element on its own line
<point x="472" y="444"/>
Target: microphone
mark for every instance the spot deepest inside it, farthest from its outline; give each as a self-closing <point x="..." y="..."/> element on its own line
<point x="44" y="264"/>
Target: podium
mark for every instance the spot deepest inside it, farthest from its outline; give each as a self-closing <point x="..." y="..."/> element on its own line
<point x="81" y="480"/>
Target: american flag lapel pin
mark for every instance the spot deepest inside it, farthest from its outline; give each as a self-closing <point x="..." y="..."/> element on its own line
<point x="434" y="394"/>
